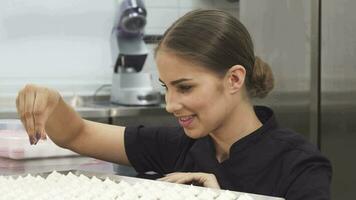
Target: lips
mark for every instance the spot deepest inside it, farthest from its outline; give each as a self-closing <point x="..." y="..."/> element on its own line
<point x="186" y="121"/>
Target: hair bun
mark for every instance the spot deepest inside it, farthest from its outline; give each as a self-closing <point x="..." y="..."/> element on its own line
<point x="262" y="81"/>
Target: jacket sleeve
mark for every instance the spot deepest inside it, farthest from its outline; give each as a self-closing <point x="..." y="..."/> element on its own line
<point x="155" y="148"/>
<point x="310" y="178"/>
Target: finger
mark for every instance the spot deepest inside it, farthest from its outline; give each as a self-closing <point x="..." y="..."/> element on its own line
<point x="43" y="135"/>
<point x="17" y="104"/>
<point x="29" y="119"/>
<point x="206" y="180"/>
<point x="21" y="110"/>
<point x="39" y="114"/>
<point x="162" y="179"/>
<point x="166" y="176"/>
<point x="211" y="182"/>
<point x="171" y="179"/>
<point x="174" y="177"/>
<point x="175" y="174"/>
<point x="186" y="179"/>
<point x="21" y="107"/>
<point x="199" y="178"/>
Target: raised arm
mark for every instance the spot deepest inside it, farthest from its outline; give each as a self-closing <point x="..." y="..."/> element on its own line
<point x="43" y="111"/>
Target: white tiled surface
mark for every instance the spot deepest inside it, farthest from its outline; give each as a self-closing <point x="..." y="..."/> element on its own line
<point x="65" y="44"/>
<point x="161" y="3"/>
<point x="161" y="14"/>
<point x="196" y="3"/>
<point x="220" y="4"/>
<point x="159" y="19"/>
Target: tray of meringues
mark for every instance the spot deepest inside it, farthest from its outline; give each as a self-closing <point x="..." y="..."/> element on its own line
<point x="85" y="185"/>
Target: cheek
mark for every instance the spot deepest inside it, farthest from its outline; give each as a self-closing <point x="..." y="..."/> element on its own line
<point x="211" y="110"/>
<point x="200" y="103"/>
<point x="211" y="107"/>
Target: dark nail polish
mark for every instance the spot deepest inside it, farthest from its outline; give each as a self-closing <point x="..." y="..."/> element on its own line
<point x="30" y="140"/>
<point x="34" y="140"/>
<point x="38" y="136"/>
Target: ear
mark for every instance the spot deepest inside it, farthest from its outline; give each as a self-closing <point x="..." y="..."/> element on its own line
<point x="235" y="77"/>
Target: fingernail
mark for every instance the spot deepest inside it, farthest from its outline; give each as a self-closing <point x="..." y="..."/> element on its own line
<point x="29" y="138"/>
<point x="34" y="140"/>
<point x="38" y="136"/>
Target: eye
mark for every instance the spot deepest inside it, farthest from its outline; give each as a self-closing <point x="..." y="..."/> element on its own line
<point x="184" y="88"/>
<point x="165" y="86"/>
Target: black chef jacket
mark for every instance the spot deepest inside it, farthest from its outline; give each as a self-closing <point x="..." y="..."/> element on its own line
<point x="270" y="161"/>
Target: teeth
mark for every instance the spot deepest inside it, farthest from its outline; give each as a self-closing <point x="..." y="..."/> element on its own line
<point x="185" y="118"/>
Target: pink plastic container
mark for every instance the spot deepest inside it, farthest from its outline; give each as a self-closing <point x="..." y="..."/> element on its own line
<point x="14" y="143"/>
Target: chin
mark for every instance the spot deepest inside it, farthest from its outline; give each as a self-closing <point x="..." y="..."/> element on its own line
<point x="195" y="134"/>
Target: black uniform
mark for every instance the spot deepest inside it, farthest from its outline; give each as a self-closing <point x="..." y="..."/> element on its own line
<point x="270" y="161"/>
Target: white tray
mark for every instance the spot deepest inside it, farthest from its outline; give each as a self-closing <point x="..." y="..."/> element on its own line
<point x="132" y="181"/>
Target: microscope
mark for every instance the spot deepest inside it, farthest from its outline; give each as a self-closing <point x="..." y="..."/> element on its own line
<point x="130" y="86"/>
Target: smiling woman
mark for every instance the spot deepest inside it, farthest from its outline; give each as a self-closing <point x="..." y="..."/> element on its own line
<point x="210" y="75"/>
<point x="207" y="64"/>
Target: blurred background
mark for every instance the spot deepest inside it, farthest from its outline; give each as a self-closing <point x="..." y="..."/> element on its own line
<point x="309" y="44"/>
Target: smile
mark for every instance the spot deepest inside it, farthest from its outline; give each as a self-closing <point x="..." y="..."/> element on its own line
<point x="186" y="121"/>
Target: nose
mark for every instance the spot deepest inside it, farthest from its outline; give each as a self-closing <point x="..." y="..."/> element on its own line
<point x="172" y="103"/>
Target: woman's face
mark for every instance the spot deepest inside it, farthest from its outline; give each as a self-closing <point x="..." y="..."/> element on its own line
<point x="194" y="94"/>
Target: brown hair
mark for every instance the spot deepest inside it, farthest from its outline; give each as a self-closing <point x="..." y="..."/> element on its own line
<point x="218" y="41"/>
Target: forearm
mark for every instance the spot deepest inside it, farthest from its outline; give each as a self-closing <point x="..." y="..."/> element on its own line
<point x="101" y="141"/>
<point x="64" y="124"/>
<point x="43" y="110"/>
<point x="67" y="129"/>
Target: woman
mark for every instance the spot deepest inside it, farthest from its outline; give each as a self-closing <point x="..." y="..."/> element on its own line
<point x="207" y="65"/>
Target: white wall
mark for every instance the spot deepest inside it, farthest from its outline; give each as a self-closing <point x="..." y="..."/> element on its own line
<point x="65" y="44"/>
<point x="61" y="44"/>
<point x="163" y="13"/>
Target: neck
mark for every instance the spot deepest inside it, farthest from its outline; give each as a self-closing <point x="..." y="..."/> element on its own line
<point x="241" y="122"/>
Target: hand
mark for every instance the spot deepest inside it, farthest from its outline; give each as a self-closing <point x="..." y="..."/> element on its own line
<point x="34" y="106"/>
<point x="204" y="179"/>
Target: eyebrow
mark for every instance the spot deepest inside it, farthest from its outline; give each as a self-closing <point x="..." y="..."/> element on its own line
<point x="175" y="82"/>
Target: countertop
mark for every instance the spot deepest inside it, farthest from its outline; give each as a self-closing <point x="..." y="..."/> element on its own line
<point x="87" y="107"/>
<point x="14" y="167"/>
<point x="99" y="111"/>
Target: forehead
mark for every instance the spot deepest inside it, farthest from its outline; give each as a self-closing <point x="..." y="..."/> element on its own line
<point x="171" y="66"/>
